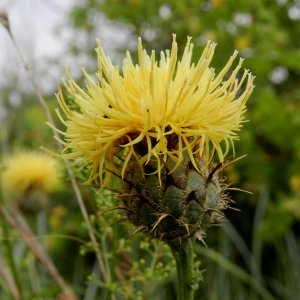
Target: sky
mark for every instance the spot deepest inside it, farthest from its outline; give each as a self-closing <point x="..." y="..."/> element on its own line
<point x="42" y="32"/>
<point x="33" y="24"/>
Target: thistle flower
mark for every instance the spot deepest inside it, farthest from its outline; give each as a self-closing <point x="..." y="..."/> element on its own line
<point x="29" y="176"/>
<point x="157" y="125"/>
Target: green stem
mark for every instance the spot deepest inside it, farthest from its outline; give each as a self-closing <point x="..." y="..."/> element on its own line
<point x="183" y="254"/>
<point x="10" y="258"/>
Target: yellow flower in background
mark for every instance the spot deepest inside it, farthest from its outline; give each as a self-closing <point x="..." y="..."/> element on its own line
<point x="155" y="110"/>
<point x="216" y="3"/>
<point x="295" y="182"/>
<point x="242" y="42"/>
<point x="27" y="171"/>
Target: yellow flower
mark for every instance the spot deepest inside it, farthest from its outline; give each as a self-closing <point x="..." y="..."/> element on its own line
<point x="154" y="110"/>
<point x="217" y="3"/>
<point x="26" y="171"/>
<point x="242" y="42"/>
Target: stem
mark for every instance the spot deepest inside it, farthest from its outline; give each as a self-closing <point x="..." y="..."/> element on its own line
<point x="183" y="254"/>
<point x="19" y="224"/>
<point x="17" y="290"/>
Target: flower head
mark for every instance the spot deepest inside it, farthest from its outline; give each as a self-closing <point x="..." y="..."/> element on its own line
<point x="155" y="110"/>
<point x="26" y="171"/>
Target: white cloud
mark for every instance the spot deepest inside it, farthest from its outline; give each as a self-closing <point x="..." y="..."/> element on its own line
<point x="32" y="23"/>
